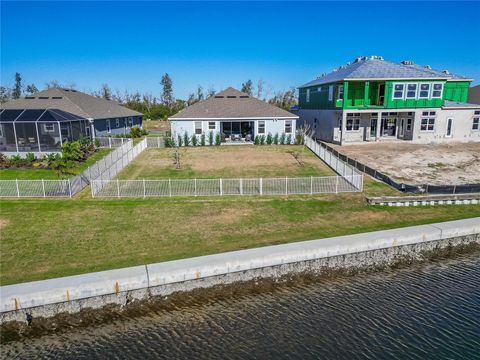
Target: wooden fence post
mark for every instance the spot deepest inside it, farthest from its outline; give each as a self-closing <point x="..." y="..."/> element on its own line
<point x="311" y="185"/>
<point x="261" y="186"/>
<point x="221" y="187"/>
<point x="144" y="189"/>
<point x="286" y="185"/>
<point x="69" y="188"/>
<point x="118" y="188"/>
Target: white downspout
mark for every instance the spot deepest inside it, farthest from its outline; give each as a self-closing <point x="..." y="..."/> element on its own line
<point x="92" y="128"/>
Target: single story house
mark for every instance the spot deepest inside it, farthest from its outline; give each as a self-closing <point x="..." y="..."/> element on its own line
<point x="374" y="100"/>
<point x="42" y="122"/>
<point x="236" y="116"/>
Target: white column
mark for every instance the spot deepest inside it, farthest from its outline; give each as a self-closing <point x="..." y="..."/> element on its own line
<point x="18" y="190"/>
<point x="170" y="187"/>
<point x="144" y="189"/>
<point x="118" y="188"/>
<point x="221" y="187"/>
<point x="43" y="187"/>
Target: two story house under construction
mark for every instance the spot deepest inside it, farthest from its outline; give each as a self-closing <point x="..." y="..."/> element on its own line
<point x="372" y="99"/>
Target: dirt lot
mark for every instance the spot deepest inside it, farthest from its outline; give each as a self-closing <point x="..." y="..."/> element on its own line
<point x="156" y="127"/>
<point x="226" y="162"/>
<point x="456" y="163"/>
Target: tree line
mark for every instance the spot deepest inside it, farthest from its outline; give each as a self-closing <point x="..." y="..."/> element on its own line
<point x="150" y="106"/>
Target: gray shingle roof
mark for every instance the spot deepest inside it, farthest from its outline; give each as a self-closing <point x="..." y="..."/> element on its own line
<point x="374" y="68"/>
<point x="231" y="103"/>
<point x="71" y="101"/>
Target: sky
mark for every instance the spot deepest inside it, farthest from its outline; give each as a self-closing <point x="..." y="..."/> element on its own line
<point x="130" y="45"/>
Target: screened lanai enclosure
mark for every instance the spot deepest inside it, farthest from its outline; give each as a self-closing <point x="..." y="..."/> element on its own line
<point x="39" y="130"/>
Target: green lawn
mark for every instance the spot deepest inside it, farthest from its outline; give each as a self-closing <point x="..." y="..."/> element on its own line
<point x="48" y="174"/>
<point x="226" y="162"/>
<point x="51" y="238"/>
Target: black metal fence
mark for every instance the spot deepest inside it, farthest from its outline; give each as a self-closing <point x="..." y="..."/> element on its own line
<point x="415" y="189"/>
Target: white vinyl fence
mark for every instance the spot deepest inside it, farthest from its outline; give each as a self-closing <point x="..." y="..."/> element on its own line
<point x="111" y="142"/>
<point x="347" y="171"/>
<point x="35" y="188"/>
<point x="219" y="187"/>
<point x="106" y="168"/>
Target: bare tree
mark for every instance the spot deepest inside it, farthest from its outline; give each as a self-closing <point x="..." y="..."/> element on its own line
<point x="260" y="89"/>
<point x="31" y="89"/>
<point x="5" y="94"/>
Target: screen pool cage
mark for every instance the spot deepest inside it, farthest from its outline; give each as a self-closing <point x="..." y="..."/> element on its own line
<point x="39" y="130"/>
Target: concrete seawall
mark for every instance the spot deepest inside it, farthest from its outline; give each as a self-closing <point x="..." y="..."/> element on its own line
<point x="71" y="294"/>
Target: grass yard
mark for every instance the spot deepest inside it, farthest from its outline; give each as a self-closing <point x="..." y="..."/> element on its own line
<point x="51" y="238"/>
<point x="226" y="162"/>
<point x="48" y="174"/>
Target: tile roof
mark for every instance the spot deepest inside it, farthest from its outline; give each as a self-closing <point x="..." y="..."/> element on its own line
<point x="231" y="103"/>
<point x="376" y="68"/>
<point x="72" y="101"/>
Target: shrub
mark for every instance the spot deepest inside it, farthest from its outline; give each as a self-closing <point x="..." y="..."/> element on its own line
<point x="3" y="161"/>
<point x="275" y="139"/>
<point x="210" y="138"/>
<point x="72" y="150"/>
<point x="282" y="139"/>
<point x="289" y="139"/>
<point x="180" y="141"/>
<point x="257" y="140"/>
<point x="135" y="132"/>
<point x="168" y="141"/>
<point x="15" y="160"/>
<point x="30" y="157"/>
<point x="194" y="140"/>
<point x="218" y="139"/>
<point x="262" y="140"/>
<point x="186" y="139"/>
<point x="299" y="137"/>
<point x="202" y="139"/>
<point x="269" y="139"/>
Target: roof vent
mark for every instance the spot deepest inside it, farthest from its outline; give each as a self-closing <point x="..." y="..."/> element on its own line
<point x="219" y="96"/>
<point x="244" y="96"/>
<point x="427" y="67"/>
<point x="43" y="97"/>
<point x="29" y="97"/>
<point x="231" y="97"/>
<point x="407" y="62"/>
<point x="57" y="97"/>
<point x="446" y="72"/>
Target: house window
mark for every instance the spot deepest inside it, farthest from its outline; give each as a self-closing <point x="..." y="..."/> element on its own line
<point x="476" y="121"/>
<point x="308" y="95"/>
<point x="261" y="127"/>
<point x="424" y="91"/>
<point x="409" y="124"/>
<point x="48" y="128"/>
<point x="428" y="121"/>
<point x="288" y="126"/>
<point x="198" y="127"/>
<point x="130" y="121"/>
<point x="411" y="91"/>
<point x="398" y="90"/>
<point x="330" y="93"/>
<point x="437" y="89"/>
<point x="117" y="123"/>
<point x="109" y="129"/>
<point x="212" y="125"/>
<point x="353" y="122"/>
<point x="340" y="92"/>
